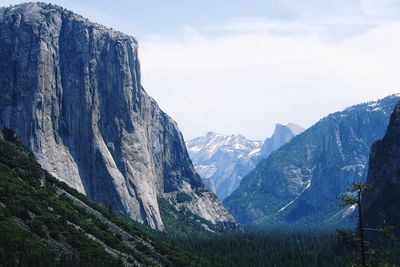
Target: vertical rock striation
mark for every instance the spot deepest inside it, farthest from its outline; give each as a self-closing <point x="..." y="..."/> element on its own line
<point x="71" y="91"/>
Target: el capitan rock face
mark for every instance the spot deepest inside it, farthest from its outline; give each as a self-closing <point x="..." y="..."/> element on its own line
<point x="381" y="204"/>
<point x="71" y="91"/>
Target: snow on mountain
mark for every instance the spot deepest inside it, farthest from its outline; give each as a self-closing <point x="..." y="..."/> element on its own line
<point x="223" y="160"/>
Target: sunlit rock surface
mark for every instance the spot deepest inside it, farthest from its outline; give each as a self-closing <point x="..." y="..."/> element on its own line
<point x="71" y="91"/>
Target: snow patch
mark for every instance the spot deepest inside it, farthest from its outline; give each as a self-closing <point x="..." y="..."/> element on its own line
<point x="255" y="151"/>
<point x="291" y="202"/>
<point x="339" y="144"/>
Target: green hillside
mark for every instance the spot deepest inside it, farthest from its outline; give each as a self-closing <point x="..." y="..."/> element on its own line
<point x="43" y="222"/>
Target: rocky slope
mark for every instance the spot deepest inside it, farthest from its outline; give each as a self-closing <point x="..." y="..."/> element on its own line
<point x="71" y="91"/>
<point x="299" y="183"/>
<point x="44" y="222"/>
<point x="381" y="204"/>
<point x="223" y="160"/>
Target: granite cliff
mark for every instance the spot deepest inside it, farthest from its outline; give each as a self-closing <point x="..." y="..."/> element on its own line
<point x="282" y="135"/>
<point x="71" y="90"/>
<point x="381" y="204"/>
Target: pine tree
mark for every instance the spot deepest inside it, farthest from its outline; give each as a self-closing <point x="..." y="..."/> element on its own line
<point x="357" y="238"/>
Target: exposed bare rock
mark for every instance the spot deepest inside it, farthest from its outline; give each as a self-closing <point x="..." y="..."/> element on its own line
<point x="71" y="91"/>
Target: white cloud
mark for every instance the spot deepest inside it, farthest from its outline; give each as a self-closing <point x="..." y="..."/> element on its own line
<point x="381" y="8"/>
<point x="254" y="75"/>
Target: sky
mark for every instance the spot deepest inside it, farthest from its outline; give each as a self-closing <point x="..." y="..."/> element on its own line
<point x="240" y="67"/>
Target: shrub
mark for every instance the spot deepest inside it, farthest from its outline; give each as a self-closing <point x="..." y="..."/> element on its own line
<point x="182" y="197"/>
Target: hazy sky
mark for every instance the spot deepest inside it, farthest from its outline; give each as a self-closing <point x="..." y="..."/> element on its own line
<point x="241" y="66"/>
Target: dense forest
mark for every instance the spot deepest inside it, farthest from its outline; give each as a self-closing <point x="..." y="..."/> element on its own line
<point x="269" y="248"/>
<point x="40" y="225"/>
<point x="278" y="248"/>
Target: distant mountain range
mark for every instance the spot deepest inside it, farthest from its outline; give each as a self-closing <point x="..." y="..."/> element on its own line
<point x="223" y="160"/>
<point x="299" y="183"/>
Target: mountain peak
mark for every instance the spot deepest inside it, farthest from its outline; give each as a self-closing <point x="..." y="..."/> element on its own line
<point x="42" y="13"/>
<point x="295" y="128"/>
<point x="222" y="160"/>
<point x="283" y="133"/>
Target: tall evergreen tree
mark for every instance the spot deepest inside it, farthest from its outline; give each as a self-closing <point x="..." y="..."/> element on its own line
<point x="357" y="238"/>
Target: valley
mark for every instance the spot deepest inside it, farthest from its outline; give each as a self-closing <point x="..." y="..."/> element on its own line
<point x="93" y="172"/>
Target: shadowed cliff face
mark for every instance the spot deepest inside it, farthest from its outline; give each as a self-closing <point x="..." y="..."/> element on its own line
<point x="381" y="204"/>
<point x="71" y="91"/>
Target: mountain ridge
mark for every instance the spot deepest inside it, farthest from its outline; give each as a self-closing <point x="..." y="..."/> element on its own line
<point x="223" y="160"/>
<point x="299" y="183"/>
<point x="283" y="133"/>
